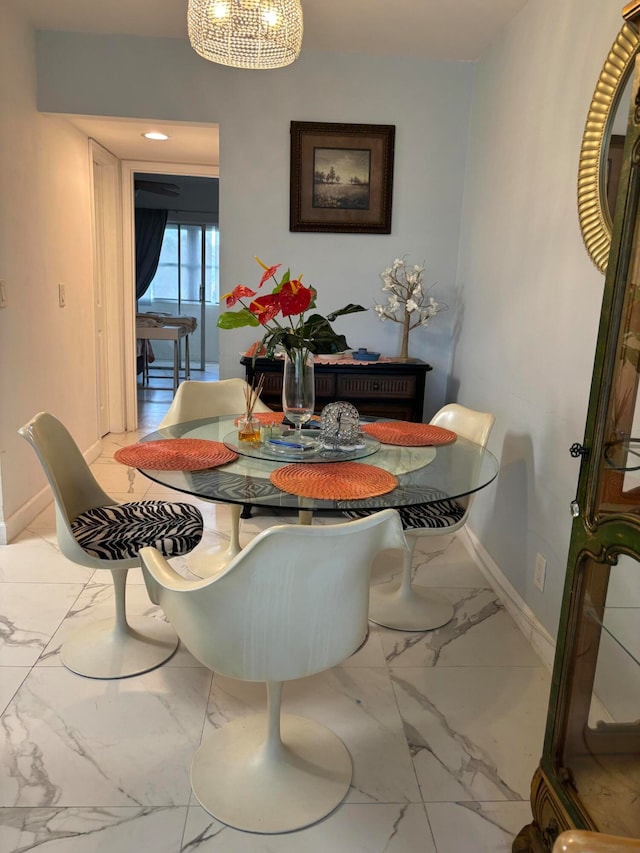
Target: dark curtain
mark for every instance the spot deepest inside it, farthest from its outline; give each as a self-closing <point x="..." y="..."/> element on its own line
<point x="150" y="225"/>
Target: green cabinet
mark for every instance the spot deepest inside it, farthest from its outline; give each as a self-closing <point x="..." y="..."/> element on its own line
<point x="589" y="773"/>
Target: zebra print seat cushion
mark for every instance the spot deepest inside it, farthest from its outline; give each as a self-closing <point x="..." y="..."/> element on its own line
<point x="437" y="513"/>
<point x="118" y="532"/>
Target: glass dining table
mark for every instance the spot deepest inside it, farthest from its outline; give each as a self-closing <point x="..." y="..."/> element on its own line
<point x="424" y="474"/>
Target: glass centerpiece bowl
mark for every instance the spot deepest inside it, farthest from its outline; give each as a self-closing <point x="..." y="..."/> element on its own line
<point x="282" y="313"/>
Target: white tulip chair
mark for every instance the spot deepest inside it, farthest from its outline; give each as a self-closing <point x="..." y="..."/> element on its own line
<point x="96" y="531"/>
<point x="407" y="607"/>
<point x="194" y="400"/>
<point x="293" y="603"/>
<point x="410" y="607"/>
<point x="582" y="841"/>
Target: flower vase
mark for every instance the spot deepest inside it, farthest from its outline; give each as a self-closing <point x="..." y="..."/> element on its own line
<point x="298" y="386"/>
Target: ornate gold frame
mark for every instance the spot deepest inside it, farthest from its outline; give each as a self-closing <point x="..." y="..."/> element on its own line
<point x="595" y="220"/>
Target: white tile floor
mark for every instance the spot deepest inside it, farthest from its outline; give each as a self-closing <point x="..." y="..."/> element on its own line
<point x="445" y="728"/>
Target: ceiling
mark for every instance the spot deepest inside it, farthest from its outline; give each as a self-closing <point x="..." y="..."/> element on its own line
<point x="431" y="29"/>
<point x="187" y="143"/>
<point x="428" y="29"/>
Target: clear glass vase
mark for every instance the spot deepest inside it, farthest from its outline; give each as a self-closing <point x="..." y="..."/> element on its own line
<point x="298" y="387"/>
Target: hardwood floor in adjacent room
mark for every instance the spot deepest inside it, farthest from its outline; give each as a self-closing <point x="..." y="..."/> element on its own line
<point x="154" y="399"/>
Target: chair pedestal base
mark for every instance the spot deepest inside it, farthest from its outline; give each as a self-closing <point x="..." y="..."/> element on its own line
<point x="415" y="609"/>
<point x="104" y="650"/>
<point x="237" y="781"/>
<point x="206" y="564"/>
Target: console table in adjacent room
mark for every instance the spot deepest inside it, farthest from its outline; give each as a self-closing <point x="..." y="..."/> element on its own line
<point x="173" y="333"/>
<point x="381" y="389"/>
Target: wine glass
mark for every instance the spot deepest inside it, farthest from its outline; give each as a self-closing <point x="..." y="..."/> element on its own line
<point x="298" y="388"/>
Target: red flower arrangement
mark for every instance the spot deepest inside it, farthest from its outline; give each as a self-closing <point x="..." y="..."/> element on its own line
<point x="289" y="300"/>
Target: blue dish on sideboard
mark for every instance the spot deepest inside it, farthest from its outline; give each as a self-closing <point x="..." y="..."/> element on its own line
<point x="363" y="354"/>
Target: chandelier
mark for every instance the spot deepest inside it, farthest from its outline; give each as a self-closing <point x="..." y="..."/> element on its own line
<point x="246" y="33"/>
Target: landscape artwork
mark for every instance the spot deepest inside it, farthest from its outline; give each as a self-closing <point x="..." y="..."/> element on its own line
<point x="341" y="178"/>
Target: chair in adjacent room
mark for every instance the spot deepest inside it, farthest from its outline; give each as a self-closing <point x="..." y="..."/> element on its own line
<point x="194" y="400"/>
<point x="96" y="531"/>
<point x="408" y="607"/>
<point x="293" y="603"/>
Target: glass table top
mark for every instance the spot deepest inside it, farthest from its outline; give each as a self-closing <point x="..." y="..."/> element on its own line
<point x="425" y="474"/>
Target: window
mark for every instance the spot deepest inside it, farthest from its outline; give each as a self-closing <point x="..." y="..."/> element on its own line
<point x="178" y="277"/>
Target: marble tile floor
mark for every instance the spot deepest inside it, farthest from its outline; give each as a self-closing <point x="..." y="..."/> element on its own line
<point x="444" y="728"/>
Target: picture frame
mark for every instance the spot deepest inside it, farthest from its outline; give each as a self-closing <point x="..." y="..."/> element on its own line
<point x="341" y="177"/>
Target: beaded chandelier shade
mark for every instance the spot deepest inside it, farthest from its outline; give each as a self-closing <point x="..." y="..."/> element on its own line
<point x="246" y="33"/>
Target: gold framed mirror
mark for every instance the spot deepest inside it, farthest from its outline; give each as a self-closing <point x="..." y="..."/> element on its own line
<point x="596" y="168"/>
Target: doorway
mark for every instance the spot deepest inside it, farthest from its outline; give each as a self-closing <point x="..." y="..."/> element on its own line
<point x="182" y="186"/>
<point x="185" y="281"/>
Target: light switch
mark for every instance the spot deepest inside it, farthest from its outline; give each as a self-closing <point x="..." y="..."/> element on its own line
<point x="62" y="297"/>
<point x="3" y="294"/>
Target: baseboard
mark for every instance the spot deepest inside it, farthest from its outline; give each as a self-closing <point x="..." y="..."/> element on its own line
<point x="24" y="515"/>
<point x="19" y="520"/>
<point x="534" y="631"/>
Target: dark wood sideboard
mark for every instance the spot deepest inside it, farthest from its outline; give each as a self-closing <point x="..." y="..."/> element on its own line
<point x="379" y="389"/>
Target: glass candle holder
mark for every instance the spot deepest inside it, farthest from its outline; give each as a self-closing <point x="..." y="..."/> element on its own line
<point x="339" y="426"/>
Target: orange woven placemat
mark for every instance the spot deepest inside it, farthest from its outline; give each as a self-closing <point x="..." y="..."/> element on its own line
<point x="334" y="481"/>
<point x="266" y="417"/>
<point x="175" y="454"/>
<point x="408" y="434"/>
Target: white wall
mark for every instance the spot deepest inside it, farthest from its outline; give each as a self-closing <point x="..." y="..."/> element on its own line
<point x="47" y="356"/>
<point x="427" y="101"/>
<point x="529" y="299"/>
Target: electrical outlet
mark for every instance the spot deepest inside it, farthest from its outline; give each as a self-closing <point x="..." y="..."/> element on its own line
<point x="540" y="572"/>
<point x="62" y="296"/>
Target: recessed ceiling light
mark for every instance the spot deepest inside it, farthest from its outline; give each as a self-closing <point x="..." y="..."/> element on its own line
<point x="153" y="134"/>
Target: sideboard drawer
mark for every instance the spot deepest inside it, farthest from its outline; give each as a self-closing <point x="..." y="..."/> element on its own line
<point x="272" y="384"/>
<point x="383" y="390"/>
<point x="398" y="387"/>
<point x="272" y="391"/>
<point x="325" y="385"/>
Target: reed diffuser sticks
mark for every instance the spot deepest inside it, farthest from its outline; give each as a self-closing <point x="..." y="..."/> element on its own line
<point x="248" y="426"/>
<point x="252" y="394"/>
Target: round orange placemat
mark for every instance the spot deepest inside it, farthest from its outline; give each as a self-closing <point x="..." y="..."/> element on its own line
<point x="408" y="434"/>
<point x="266" y="417"/>
<point x="175" y="454"/>
<point x="334" y="481"/>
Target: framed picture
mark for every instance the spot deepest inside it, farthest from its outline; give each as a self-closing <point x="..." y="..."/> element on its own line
<point x="341" y="177"/>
